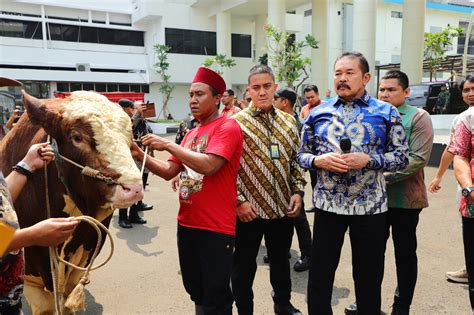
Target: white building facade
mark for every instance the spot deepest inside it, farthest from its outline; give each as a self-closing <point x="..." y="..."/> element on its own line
<point x="65" y="45"/>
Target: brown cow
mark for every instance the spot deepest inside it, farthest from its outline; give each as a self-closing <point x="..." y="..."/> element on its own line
<point x="91" y="131"/>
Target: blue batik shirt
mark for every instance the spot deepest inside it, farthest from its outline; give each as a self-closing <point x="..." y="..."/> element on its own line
<point x="375" y="128"/>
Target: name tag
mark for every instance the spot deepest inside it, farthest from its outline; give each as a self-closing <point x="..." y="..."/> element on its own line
<point x="274" y="151"/>
<point x="6" y="236"/>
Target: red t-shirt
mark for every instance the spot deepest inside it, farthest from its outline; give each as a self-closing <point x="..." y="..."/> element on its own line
<point x="210" y="202"/>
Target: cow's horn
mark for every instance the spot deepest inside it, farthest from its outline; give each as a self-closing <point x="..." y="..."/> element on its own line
<point x="35" y="108"/>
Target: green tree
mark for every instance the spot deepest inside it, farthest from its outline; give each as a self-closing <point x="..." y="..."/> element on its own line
<point x="286" y="56"/>
<point x="161" y="68"/>
<point x="436" y="45"/>
<point x="221" y="61"/>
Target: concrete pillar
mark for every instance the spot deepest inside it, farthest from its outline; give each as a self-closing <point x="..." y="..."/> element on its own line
<point x="224" y="41"/>
<point x="260" y="38"/>
<point x="43" y="28"/>
<point x="364" y="37"/>
<point x="412" y="39"/>
<point x="319" y="57"/>
<point x="276" y="17"/>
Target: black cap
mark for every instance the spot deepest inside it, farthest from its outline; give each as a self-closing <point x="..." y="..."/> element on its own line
<point x="126" y="103"/>
<point x="287" y="93"/>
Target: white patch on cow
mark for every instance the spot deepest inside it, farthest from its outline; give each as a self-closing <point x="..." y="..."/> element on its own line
<point x="112" y="130"/>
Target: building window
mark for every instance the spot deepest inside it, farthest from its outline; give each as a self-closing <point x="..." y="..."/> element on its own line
<point x="191" y="42"/>
<point x="75" y="86"/>
<point x="397" y="14"/>
<point x="241" y="45"/>
<point x="112" y="87"/>
<point x="102" y="87"/>
<point x="21" y="29"/>
<point x="96" y="35"/>
<point x="62" y="87"/>
<point x="462" y="39"/>
<point x="308" y="12"/>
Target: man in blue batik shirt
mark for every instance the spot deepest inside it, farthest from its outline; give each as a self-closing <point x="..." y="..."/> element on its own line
<point x="350" y="191"/>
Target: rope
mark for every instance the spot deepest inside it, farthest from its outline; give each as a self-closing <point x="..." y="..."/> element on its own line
<point x="76" y="300"/>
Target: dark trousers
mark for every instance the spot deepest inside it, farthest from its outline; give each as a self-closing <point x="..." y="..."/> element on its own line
<point x="205" y="259"/>
<point x="133" y="213"/>
<point x="278" y="234"/>
<point x="303" y="232"/>
<point x="368" y="239"/>
<point x="403" y="223"/>
<point x="468" y="239"/>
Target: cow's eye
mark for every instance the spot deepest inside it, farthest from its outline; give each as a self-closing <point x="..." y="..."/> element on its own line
<point x="76" y="138"/>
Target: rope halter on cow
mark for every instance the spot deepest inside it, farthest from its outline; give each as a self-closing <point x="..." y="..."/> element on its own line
<point x="76" y="299"/>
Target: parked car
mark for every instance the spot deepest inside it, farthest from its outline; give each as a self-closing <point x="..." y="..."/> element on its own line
<point x="424" y="95"/>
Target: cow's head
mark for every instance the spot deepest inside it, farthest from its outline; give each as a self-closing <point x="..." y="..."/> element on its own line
<point x="94" y="132"/>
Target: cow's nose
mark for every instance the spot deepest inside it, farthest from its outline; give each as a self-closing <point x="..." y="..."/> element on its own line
<point x="134" y="191"/>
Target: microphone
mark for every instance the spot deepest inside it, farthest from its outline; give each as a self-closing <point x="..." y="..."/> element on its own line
<point x="346" y="145"/>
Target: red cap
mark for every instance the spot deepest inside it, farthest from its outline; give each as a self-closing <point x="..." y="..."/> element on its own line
<point x="206" y="75"/>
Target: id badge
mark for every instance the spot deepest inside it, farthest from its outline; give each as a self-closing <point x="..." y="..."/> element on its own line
<point x="274" y="151"/>
<point x="6" y="236"/>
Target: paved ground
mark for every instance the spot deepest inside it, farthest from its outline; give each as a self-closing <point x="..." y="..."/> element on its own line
<point x="143" y="276"/>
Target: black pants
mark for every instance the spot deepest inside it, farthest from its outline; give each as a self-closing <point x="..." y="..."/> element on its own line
<point x="303" y="232"/>
<point x="403" y="223"/>
<point x="468" y="239"/>
<point x="133" y="213"/>
<point x="205" y="259"/>
<point x="279" y="233"/>
<point x="368" y="239"/>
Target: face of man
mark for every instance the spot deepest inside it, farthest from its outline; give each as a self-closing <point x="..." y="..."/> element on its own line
<point x="349" y="81"/>
<point x="261" y="90"/>
<point x="201" y="102"/>
<point x="312" y="98"/>
<point x="129" y="111"/>
<point x="328" y="93"/>
<point x="247" y="99"/>
<point x="227" y="99"/>
<point x="391" y="91"/>
<point x="280" y="103"/>
<point x="468" y="93"/>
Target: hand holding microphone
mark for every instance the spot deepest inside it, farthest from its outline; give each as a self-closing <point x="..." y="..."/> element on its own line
<point x="346" y="145"/>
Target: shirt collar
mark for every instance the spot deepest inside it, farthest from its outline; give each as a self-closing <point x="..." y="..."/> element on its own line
<point x="258" y="112"/>
<point x="402" y="109"/>
<point x="364" y="99"/>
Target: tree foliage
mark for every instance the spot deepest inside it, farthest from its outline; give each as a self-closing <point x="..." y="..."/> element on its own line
<point x="436" y="45"/>
<point x="286" y="56"/>
<point x="221" y="61"/>
<point x="161" y="68"/>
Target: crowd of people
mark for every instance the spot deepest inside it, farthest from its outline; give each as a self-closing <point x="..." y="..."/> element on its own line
<point x="240" y="177"/>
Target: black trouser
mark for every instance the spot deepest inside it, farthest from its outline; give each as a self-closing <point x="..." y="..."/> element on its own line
<point x="368" y="238"/>
<point x="205" y="259"/>
<point x="132" y="214"/>
<point x="468" y="239"/>
<point x="404" y="223"/>
<point x="303" y="232"/>
<point x="278" y="233"/>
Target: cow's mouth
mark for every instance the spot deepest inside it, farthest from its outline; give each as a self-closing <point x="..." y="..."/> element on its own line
<point x="126" y="195"/>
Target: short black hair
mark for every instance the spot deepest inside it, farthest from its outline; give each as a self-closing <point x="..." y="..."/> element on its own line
<point x="400" y="76"/>
<point x="364" y="65"/>
<point x="260" y="69"/>
<point x="124" y="102"/>
<point x="230" y="92"/>
<point x="310" y="88"/>
<point x="469" y="78"/>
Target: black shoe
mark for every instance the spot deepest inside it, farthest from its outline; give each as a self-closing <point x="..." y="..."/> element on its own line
<point x="351" y="309"/>
<point x="288" y="309"/>
<point x="137" y="220"/>
<point x="266" y="259"/>
<point x="124" y="223"/>
<point x="398" y="310"/>
<point x="302" y="264"/>
<point x="144" y="207"/>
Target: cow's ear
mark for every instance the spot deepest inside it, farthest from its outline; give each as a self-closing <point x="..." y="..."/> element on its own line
<point x="39" y="113"/>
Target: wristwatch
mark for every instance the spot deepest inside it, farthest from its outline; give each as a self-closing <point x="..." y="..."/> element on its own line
<point x="467" y="191"/>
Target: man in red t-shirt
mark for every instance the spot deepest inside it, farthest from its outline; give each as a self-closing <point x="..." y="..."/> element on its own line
<point x="208" y="162"/>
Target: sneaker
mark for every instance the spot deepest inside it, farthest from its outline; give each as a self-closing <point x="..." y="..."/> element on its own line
<point x="459" y="276"/>
<point x="302" y="264"/>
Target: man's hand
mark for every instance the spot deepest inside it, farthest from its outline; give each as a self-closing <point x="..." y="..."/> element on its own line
<point x="155" y="142"/>
<point x="294" y="207"/>
<point x="435" y="186"/>
<point x="332" y="162"/>
<point x="137" y="153"/>
<point x="356" y="160"/>
<point x="175" y="183"/>
<point x="139" y="106"/>
<point x="52" y="232"/>
<point x="246" y="212"/>
<point x="38" y="154"/>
